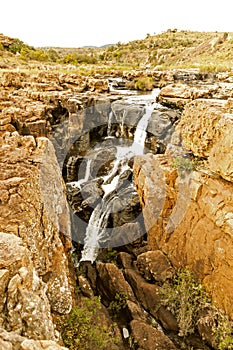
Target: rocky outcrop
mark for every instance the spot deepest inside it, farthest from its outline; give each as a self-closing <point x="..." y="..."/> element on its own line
<point x="206" y="128"/>
<point x="177" y="95"/>
<point x="14" y="341"/>
<point x="34" y="103"/>
<point x="35" y="237"/>
<point x="189" y="218"/>
<point x="6" y="41"/>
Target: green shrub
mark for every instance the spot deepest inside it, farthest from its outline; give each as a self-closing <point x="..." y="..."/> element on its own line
<point x="84" y="330"/>
<point x="53" y="55"/>
<point x="185" y="164"/>
<point x="145" y="84"/>
<point x="119" y="303"/>
<point x="17" y="46"/>
<point x="70" y="58"/>
<point x="185" y="298"/>
<point x="222" y="330"/>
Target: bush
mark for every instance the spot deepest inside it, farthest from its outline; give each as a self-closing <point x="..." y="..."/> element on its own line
<point x="222" y="330"/>
<point x="185" y="298"/>
<point x="84" y="330"/>
<point x="119" y="303"/>
<point x="145" y="84"/>
<point x="188" y="300"/>
<point x="17" y="46"/>
<point x="185" y="164"/>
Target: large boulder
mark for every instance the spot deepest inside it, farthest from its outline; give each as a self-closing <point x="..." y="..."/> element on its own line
<point x="146" y="337"/>
<point x="154" y="265"/>
<point x="24" y="304"/>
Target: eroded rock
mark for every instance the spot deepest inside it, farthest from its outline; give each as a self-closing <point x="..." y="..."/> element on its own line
<point x="192" y="214"/>
<point x="206" y="129"/>
<point x="154" y="265"/>
<point x="148" y="338"/>
<point x="34" y="208"/>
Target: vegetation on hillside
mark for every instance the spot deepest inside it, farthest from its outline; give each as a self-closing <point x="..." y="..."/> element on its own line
<point x="208" y="51"/>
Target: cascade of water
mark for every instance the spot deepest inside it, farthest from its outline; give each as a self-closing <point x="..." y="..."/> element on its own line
<point x="140" y="132"/>
<point x="96" y="229"/>
<point x="94" y="233"/>
<point x="77" y="184"/>
<point x="109" y="123"/>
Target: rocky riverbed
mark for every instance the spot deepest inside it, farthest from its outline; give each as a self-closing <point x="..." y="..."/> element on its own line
<point x="48" y="121"/>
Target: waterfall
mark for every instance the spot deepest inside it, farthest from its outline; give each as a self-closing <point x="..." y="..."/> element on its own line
<point x="109" y="123"/>
<point x="77" y="184"/>
<point x="97" y="226"/>
<point x="94" y="233"/>
<point x="140" y="132"/>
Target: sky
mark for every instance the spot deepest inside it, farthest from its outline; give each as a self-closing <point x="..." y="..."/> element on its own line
<point x="75" y="23"/>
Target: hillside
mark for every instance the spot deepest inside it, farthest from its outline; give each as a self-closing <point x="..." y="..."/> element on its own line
<point x="208" y="51"/>
<point x="177" y="49"/>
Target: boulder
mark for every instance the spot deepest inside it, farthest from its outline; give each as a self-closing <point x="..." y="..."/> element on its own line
<point x="24" y="304"/>
<point x="111" y="281"/>
<point x="178" y="95"/>
<point x="154" y="265"/>
<point x="127" y="113"/>
<point x="148" y="338"/>
<point x="14" y="341"/>
<point x="146" y="293"/>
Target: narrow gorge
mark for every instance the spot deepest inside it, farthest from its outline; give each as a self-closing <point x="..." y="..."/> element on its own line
<point x="113" y="194"/>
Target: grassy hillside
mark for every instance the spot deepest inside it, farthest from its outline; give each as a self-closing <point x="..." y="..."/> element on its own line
<point x="185" y="49"/>
<point x="208" y="51"/>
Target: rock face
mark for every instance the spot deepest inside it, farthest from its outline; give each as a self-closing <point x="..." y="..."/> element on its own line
<point x="35" y="237"/>
<point x="206" y="129"/>
<point x="190" y="219"/>
<point x="14" y="341"/>
<point x="178" y="94"/>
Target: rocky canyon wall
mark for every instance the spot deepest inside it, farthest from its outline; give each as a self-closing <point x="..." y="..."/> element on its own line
<point x="35" y="280"/>
<point x="190" y="216"/>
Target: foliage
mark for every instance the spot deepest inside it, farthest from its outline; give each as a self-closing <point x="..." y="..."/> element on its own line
<point x="170" y="49"/>
<point x="185" y="298"/>
<point x="214" y="68"/>
<point x="119" y="303"/>
<point x="17" y="45"/>
<point x="185" y="164"/>
<point x="145" y="84"/>
<point x="75" y="58"/>
<point x="84" y="331"/>
<point x="222" y="330"/>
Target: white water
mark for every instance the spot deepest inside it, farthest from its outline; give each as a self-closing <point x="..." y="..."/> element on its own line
<point x="140" y="132"/>
<point x="98" y="220"/>
<point x="99" y="217"/>
<point x="109" y="123"/>
<point x="94" y="233"/>
<point x="77" y="184"/>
